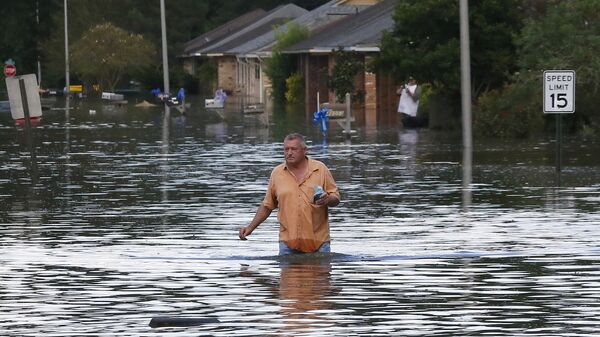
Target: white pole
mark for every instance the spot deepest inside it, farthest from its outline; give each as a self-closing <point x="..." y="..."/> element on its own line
<point x="37" y="21"/>
<point x="318" y="101"/>
<point x="465" y="84"/>
<point x="163" y="26"/>
<point x="465" y="65"/>
<point x="348" y="127"/>
<point x="67" y="80"/>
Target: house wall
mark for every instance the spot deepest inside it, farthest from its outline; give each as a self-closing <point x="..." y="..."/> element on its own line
<point x="370" y="99"/>
<point x="227" y="74"/>
<point x="189" y="65"/>
<point x="387" y="100"/>
<point x="315" y="70"/>
<point x="250" y="82"/>
<point x="381" y="101"/>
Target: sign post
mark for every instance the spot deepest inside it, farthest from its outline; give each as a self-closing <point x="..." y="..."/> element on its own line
<point x="559" y="98"/>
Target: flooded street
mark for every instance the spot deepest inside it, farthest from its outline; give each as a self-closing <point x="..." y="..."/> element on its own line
<point x="128" y="214"/>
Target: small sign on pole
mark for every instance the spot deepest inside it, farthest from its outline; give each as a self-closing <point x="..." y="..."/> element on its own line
<point x="559" y="91"/>
<point x="10" y="70"/>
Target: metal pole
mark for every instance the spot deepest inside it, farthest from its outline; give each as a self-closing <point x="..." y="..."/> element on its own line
<point x="163" y="26"/>
<point x="465" y="86"/>
<point x="67" y="80"/>
<point x="25" y="104"/>
<point x="28" y="130"/>
<point x="465" y="83"/>
<point x="37" y="20"/>
<point x="558" y="141"/>
<point x="348" y="127"/>
<point x="318" y="101"/>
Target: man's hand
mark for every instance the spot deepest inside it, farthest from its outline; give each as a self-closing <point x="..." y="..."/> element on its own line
<point x="245" y="231"/>
<point x="327" y="199"/>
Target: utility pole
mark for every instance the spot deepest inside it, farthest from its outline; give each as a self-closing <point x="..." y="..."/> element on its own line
<point x="67" y="80"/>
<point x="163" y="26"/>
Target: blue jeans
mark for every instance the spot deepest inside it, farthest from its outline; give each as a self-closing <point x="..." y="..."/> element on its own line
<point x="285" y="250"/>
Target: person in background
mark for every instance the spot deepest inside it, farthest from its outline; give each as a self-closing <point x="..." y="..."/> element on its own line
<point x="220" y="95"/>
<point x="409" y="102"/>
<point x="303" y="189"/>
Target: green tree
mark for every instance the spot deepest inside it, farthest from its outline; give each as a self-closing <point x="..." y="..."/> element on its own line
<point x="106" y="53"/>
<point x="22" y="32"/>
<point x="425" y="43"/>
<point x="348" y="64"/>
<point x="566" y="36"/>
<point x="281" y="66"/>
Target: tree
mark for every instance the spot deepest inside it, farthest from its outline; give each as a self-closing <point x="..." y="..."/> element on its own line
<point x="21" y="32"/>
<point x="566" y="36"/>
<point x="425" y="43"/>
<point x="280" y="66"/>
<point x="105" y="53"/>
<point x="348" y="64"/>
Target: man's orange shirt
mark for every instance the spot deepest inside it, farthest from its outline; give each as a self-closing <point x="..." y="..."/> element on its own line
<point x="304" y="226"/>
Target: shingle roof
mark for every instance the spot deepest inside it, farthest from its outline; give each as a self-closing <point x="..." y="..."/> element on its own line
<point x="362" y="31"/>
<point x="252" y="31"/>
<point x="224" y="30"/>
<point x="314" y="20"/>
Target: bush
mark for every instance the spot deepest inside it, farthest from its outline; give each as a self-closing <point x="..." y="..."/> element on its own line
<point x="294" y="88"/>
<point x="280" y="66"/>
<point x="514" y="111"/>
<point x="348" y="64"/>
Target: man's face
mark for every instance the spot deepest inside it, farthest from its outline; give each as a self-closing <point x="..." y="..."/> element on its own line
<point x="293" y="151"/>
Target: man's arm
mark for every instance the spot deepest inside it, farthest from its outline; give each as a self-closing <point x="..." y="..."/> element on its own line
<point x="262" y="213"/>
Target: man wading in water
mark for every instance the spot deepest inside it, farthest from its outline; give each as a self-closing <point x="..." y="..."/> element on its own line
<point x="303" y="189"/>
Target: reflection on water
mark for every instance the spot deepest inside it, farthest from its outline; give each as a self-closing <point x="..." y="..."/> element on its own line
<point x="133" y="213"/>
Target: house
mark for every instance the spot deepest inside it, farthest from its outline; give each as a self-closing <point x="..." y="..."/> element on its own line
<point x="356" y="25"/>
<point x="240" y="54"/>
<point x="190" y="53"/>
<point x="361" y="33"/>
<point x="235" y="73"/>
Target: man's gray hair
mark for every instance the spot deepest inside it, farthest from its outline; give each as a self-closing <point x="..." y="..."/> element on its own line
<point x="298" y="136"/>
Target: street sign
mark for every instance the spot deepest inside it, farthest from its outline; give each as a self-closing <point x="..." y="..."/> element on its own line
<point x="10" y="70"/>
<point x="559" y="91"/>
<point x="30" y="95"/>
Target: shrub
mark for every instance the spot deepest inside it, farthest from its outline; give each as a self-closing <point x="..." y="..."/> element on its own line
<point x="294" y="88"/>
<point x="514" y="111"/>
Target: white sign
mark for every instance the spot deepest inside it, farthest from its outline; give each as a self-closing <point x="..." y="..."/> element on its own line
<point x="31" y="91"/>
<point x="559" y="91"/>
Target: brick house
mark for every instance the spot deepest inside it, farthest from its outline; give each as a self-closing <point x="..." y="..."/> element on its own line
<point x="360" y="33"/>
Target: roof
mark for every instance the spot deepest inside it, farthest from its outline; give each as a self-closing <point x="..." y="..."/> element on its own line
<point x="224" y="30"/>
<point x="359" y="32"/>
<point x="314" y="20"/>
<point x="257" y="28"/>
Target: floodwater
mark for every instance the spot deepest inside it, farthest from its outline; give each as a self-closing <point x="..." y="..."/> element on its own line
<point x="125" y="214"/>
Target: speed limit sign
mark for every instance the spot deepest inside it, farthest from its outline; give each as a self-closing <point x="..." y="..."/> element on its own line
<point x="559" y="91"/>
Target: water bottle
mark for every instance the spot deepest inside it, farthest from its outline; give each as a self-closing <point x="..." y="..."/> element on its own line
<point x="318" y="193"/>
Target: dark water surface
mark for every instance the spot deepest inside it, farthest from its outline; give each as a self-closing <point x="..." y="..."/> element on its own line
<point x="127" y="214"/>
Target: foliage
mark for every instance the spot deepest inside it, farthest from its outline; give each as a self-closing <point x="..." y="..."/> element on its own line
<point x="510" y="112"/>
<point x="280" y="66"/>
<point x="22" y="34"/>
<point x="24" y="40"/>
<point x="348" y="65"/>
<point x="567" y="36"/>
<point x="106" y="53"/>
<point x="295" y="88"/>
<point x="207" y="76"/>
<point x="425" y="43"/>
